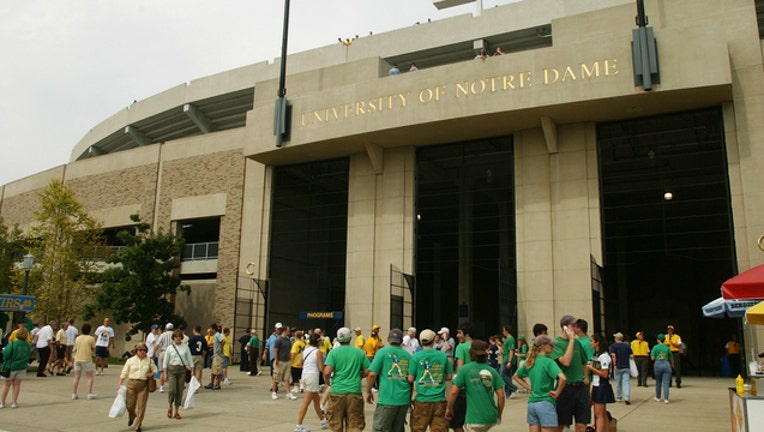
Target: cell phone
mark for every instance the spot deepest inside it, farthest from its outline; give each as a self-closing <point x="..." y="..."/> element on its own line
<point x="565" y="328"/>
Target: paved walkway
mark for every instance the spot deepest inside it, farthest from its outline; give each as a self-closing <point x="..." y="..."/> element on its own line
<point x="46" y="405"/>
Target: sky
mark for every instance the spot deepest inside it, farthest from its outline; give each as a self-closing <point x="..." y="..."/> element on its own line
<point x="65" y="66"/>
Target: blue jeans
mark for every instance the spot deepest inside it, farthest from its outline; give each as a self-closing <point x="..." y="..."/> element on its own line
<point x="506" y="375"/>
<point x="662" y="369"/>
<point x="622" y="384"/>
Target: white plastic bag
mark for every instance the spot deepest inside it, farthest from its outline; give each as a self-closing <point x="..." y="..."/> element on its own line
<point x="633" y="371"/>
<point x="118" y="408"/>
<point x="190" y="401"/>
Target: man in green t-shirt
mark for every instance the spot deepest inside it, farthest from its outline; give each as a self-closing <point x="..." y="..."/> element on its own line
<point x="509" y="361"/>
<point x="429" y="369"/>
<point x="253" y="349"/>
<point x="461" y="358"/>
<point x="391" y="364"/>
<point x="345" y="409"/>
<point x="480" y="382"/>
<point x="574" y="401"/>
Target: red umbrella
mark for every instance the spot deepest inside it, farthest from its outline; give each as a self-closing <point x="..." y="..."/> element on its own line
<point x="746" y="285"/>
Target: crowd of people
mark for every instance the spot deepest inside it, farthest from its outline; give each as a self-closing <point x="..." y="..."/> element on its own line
<point x="436" y="380"/>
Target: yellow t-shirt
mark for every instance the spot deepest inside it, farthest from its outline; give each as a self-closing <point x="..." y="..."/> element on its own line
<point x="83" y="348"/>
<point x="359" y="341"/>
<point x="326" y="346"/>
<point x="297" y="348"/>
<point x="228" y="349"/>
<point x="12" y="337"/>
<point x="372" y="345"/>
<point x="640" y="348"/>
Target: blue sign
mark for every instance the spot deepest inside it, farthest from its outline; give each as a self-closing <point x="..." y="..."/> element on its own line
<point x="18" y="303"/>
<point x="321" y="315"/>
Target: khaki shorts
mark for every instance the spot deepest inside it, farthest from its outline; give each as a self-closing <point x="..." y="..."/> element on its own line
<point x="198" y="364"/>
<point x="347" y="408"/>
<point x="217" y="365"/>
<point x="86" y="366"/>
<point x="477" y="427"/>
<point x="311" y="382"/>
<point x="282" y="372"/>
<point x="432" y="414"/>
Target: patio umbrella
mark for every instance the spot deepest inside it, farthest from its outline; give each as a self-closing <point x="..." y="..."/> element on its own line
<point x="745" y="286"/>
<point x="721" y="308"/>
<point x="755" y="314"/>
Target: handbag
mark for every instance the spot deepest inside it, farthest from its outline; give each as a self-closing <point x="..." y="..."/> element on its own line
<point x="151" y="384"/>
<point x="188" y="371"/>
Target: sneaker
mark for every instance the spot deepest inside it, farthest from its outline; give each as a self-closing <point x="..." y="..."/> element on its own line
<point x="215" y="388"/>
<point x="226" y="382"/>
<point x="666" y="401"/>
<point x="98" y="373"/>
<point x="274" y="396"/>
<point x="301" y="428"/>
<point x="2" y="405"/>
<point x="91" y="395"/>
<point x="15" y="405"/>
<point x="628" y="402"/>
<point x="208" y="386"/>
<point x="290" y="396"/>
<point x="259" y="373"/>
<point x="74" y="396"/>
<point x="324" y="424"/>
<point x="161" y="389"/>
<point x="656" y="399"/>
<point x="512" y="395"/>
<point x="249" y="373"/>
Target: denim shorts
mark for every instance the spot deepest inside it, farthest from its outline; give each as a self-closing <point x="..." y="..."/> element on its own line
<point x="542" y="413"/>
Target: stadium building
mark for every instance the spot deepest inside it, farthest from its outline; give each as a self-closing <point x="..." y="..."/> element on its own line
<point x="603" y="166"/>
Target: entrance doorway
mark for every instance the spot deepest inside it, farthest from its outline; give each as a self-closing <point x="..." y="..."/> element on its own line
<point x="465" y="236"/>
<point x="667" y="229"/>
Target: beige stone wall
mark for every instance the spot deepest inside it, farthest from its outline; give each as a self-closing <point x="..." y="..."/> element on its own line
<point x="210" y="174"/>
<point x="380" y="234"/>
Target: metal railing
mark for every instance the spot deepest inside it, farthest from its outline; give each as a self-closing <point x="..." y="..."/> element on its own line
<point x="200" y="251"/>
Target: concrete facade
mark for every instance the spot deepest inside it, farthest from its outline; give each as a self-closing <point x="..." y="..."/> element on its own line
<point x="345" y="105"/>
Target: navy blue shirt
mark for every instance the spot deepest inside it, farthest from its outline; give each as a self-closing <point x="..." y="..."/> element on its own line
<point x="622" y="351"/>
<point x="197" y="345"/>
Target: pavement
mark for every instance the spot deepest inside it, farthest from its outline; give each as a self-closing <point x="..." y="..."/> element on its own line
<point x="45" y="404"/>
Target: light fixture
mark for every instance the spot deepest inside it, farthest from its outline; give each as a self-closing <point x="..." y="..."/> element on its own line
<point x="668" y="195"/>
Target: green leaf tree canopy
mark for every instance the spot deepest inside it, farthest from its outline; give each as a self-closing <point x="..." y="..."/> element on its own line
<point x="141" y="289"/>
<point x="65" y="242"/>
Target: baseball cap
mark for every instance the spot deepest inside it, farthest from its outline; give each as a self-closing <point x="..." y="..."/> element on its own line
<point x="444" y="330"/>
<point x="395" y="336"/>
<point x="375" y="327"/>
<point x="670" y="327"/>
<point x="567" y="319"/>
<point x="168" y="326"/>
<point x="344" y="334"/>
<point x="543" y="340"/>
<point x="427" y="336"/>
<point x="661" y="337"/>
<point x="154" y="326"/>
<point x="278" y="325"/>
<point x="618" y="335"/>
<point x="357" y="329"/>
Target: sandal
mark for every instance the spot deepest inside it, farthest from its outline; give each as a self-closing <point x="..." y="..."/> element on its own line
<point x="169" y="413"/>
<point x="177" y="416"/>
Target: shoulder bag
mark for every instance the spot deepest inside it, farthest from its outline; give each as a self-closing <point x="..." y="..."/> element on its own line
<point x="188" y="371"/>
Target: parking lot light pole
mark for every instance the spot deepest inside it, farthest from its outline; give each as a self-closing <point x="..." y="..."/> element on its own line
<point x="28" y="262"/>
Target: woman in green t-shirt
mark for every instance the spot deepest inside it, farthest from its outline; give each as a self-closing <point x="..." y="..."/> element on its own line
<point x="15" y="359"/>
<point x="544" y="379"/>
<point x="664" y="362"/>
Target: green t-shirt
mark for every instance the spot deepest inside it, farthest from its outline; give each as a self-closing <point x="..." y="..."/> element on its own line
<point x="479" y="381"/>
<point x="429" y="368"/>
<point x="543" y="376"/>
<point x="575" y="372"/>
<point x="348" y="362"/>
<point x="463" y="352"/>
<point x="509" y="344"/>
<point x="391" y="364"/>
<point x="588" y="350"/>
<point x="660" y="352"/>
<point x="254" y="342"/>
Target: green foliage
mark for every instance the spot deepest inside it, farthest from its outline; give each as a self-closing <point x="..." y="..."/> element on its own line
<point x="64" y="243"/>
<point x="141" y="290"/>
<point x="11" y="250"/>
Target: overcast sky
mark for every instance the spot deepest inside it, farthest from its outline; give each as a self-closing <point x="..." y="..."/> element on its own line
<point x="67" y="65"/>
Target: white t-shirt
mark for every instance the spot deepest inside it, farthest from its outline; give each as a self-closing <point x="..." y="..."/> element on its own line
<point x="44" y="336"/>
<point x="71" y="335"/>
<point x="103" y="334"/>
<point x="605" y="361"/>
<point x="410" y="344"/>
<point x="310" y="360"/>
<point x="151" y="343"/>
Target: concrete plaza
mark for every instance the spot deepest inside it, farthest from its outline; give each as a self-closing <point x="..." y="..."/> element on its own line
<point x="45" y="404"/>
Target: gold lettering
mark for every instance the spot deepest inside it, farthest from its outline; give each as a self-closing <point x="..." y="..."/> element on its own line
<point x="525" y="80"/>
<point x="462" y="89"/>
<point x="477" y="90"/>
<point x="588" y="73"/>
<point x="359" y="108"/>
<point x="402" y="97"/>
<point x="509" y="83"/>
<point x="426" y="96"/>
<point x="335" y="113"/>
<point x="555" y="76"/>
<point x="568" y="74"/>
<point x="611" y="68"/>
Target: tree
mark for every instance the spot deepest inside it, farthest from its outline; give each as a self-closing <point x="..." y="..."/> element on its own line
<point x="141" y="288"/>
<point x="65" y="242"/>
<point x="11" y="250"/>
